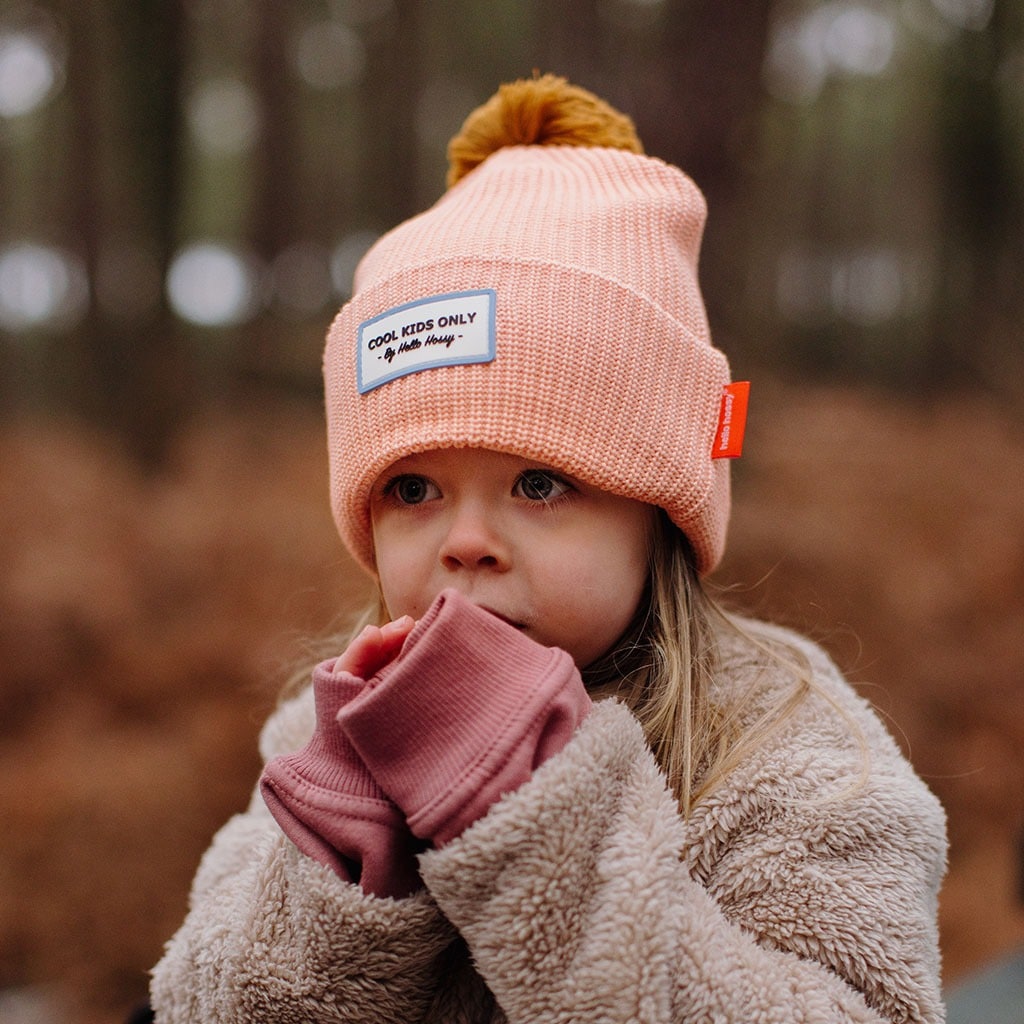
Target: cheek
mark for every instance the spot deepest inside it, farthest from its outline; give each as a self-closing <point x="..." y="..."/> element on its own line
<point x="401" y="595"/>
<point x="599" y="600"/>
<point x="625" y="578"/>
<point x="407" y="564"/>
<point x="622" y="595"/>
<point x="393" y="567"/>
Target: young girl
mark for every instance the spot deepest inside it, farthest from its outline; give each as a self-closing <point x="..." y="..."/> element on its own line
<point x="553" y="781"/>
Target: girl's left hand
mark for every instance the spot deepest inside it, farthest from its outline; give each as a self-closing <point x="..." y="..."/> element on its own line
<point x="375" y="647"/>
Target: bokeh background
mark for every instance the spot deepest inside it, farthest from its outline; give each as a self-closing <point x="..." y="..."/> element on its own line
<point x="185" y="187"/>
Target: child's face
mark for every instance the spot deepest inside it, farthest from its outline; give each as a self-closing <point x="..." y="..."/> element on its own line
<point x="563" y="561"/>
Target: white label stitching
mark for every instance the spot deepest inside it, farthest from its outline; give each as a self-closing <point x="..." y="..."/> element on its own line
<point x="441" y="330"/>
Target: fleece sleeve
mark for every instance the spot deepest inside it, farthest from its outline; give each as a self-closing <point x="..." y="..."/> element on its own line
<point x="273" y="937"/>
<point x="579" y="903"/>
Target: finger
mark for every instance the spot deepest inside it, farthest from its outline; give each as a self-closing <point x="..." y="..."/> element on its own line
<point x="396" y="632"/>
<point x="392" y="637"/>
<point x="362" y="654"/>
<point x="375" y="647"/>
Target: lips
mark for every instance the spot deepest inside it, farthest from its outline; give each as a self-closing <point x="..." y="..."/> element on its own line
<point x="504" y="618"/>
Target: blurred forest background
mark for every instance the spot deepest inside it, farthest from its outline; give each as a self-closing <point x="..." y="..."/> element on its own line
<point x="185" y="187"/>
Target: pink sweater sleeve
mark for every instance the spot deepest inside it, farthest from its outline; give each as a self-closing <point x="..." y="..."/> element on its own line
<point x="329" y="805"/>
<point x="465" y="714"/>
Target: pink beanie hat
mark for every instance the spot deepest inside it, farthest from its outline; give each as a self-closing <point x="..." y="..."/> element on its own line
<point x="548" y="306"/>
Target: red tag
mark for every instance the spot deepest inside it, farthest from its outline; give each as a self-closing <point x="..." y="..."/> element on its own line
<point x="732" y="421"/>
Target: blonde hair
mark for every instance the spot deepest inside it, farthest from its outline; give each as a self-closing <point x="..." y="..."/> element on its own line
<point x="664" y="669"/>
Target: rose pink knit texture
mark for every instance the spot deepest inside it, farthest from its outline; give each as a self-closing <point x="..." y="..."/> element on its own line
<point x="603" y="363"/>
<point x="325" y="801"/>
<point x="465" y="714"/>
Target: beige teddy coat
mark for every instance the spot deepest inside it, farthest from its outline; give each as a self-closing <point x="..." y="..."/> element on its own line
<point x="802" y="889"/>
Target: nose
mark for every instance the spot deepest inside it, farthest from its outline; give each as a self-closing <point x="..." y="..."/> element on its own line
<point x="474" y="541"/>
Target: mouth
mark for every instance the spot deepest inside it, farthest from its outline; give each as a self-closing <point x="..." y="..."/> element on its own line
<point x="504" y="618"/>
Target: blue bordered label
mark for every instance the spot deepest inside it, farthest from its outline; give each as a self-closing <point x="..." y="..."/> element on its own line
<point x="441" y="330"/>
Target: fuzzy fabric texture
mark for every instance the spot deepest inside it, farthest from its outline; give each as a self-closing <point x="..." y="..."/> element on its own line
<point x="804" y="888"/>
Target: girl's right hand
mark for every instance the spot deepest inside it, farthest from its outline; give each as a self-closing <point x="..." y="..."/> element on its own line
<point x="323" y="796"/>
<point x="374" y="648"/>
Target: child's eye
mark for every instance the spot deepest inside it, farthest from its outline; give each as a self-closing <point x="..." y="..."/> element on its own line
<point x="411" y="490"/>
<point x="539" y="485"/>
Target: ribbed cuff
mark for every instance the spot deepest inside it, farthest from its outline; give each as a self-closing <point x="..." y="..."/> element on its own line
<point x="466" y="713"/>
<point x="327" y="802"/>
<point x="328" y="762"/>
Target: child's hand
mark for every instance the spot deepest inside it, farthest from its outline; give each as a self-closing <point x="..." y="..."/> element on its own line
<point x="375" y="647"/>
<point x="466" y="714"/>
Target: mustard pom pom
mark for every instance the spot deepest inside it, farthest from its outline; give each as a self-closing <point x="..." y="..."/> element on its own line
<point x="541" y="111"/>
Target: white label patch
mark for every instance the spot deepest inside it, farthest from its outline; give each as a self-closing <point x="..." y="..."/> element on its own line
<point x="442" y="330"/>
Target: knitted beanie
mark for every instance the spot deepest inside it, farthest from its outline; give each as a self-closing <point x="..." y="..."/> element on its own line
<point x="547" y="306"/>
